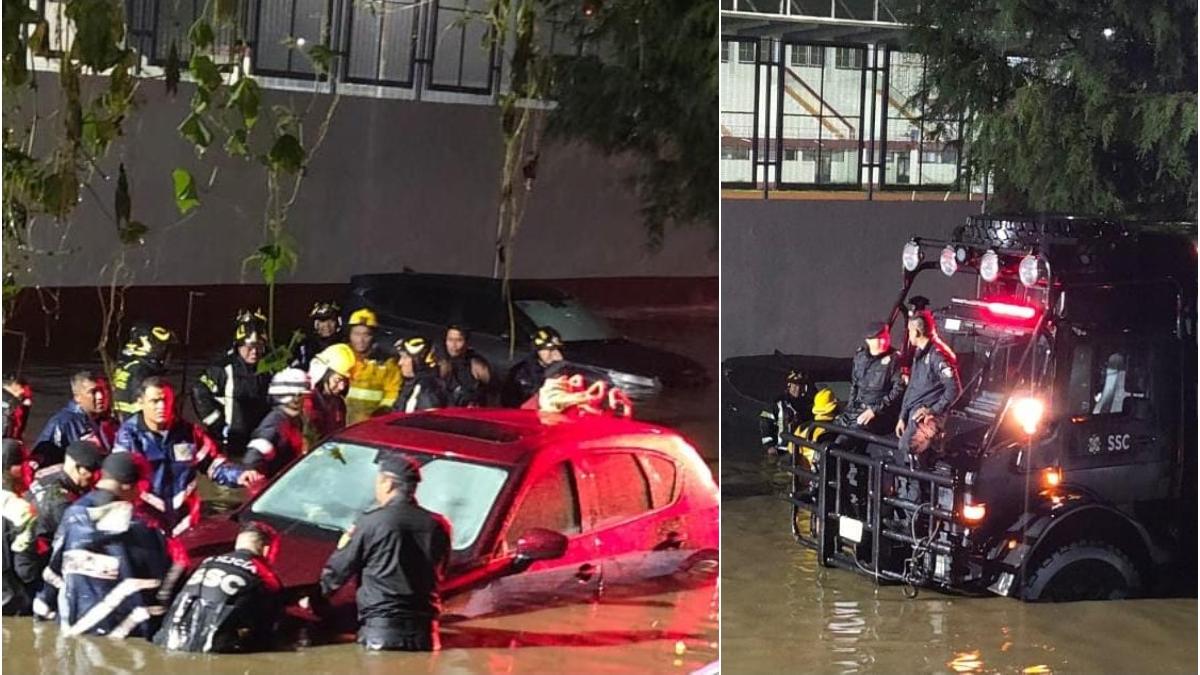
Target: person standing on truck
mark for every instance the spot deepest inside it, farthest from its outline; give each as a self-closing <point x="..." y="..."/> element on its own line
<point x="526" y="377"/>
<point x="933" y="388"/>
<point x="87" y="416"/>
<point x="398" y="552"/>
<point x="144" y="355"/>
<point x="326" y="330"/>
<point x="876" y="386"/>
<point x="230" y="398"/>
<point x="375" y="380"/>
<point x="785" y="414"/>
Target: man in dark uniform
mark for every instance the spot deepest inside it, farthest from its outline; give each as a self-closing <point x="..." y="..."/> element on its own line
<point x="932" y="388"/>
<point x="280" y="437"/>
<point x="231" y="603"/>
<point x="876" y="386"/>
<point x="399" y="552"/>
<point x="231" y="397"/>
<point x="788" y="410"/>
<point x="144" y="355"/>
<point x="87" y="416"/>
<point x="53" y="490"/>
<point x="468" y="375"/>
<point x="326" y="330"/>
<point x="422" y="388"/>
<point x="527" y="376"/>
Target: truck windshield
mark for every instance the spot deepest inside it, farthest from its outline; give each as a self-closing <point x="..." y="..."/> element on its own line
<point x="992" y="366"/>
<point x="335" y="483"/>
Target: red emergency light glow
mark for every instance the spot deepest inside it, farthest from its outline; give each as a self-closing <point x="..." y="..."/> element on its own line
<point x="1011" y="311"/>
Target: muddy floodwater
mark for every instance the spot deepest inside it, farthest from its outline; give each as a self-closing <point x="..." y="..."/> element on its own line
<point x="782" y="612"/>
<point x="654" y="630"/>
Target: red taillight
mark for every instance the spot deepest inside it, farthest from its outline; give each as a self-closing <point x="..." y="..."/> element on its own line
<point x="1011" y="311"/>
<point x="973" y="513"/>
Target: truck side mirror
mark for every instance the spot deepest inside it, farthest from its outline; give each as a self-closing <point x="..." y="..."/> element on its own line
<point x="538" y="544"/>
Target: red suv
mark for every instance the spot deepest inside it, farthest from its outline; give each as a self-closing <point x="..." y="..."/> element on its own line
<point x="543" y="507"/>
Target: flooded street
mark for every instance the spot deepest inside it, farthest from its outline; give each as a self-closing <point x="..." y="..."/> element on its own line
<point x="785" y="613"/>
<point x="655" y="630"/>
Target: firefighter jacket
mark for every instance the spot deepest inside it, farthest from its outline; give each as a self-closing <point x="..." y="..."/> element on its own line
<point x="374" y="386"/>
<point x="934" y="382"/>
<point x="462" y="389"/>
<point x="398" y="552"/>
<point x="51" y="492"/>
<point x="175" y="459"/>
<point x="108" y="564"/>
<point x="231" y="603"/>
<point x="127" y="380"/>
<point x="18" y="582"/>
<point x="423" y="392"/>
<point x="231" y="399"/>
<point x="67" y="426"/>
<point x="781" y="418"/>
<point x="277" y="441"/>
<point x="310" y="346"/>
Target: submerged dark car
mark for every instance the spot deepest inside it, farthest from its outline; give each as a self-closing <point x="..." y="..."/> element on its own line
<point x="544" y="508"/>
<point x="409" y="303"/>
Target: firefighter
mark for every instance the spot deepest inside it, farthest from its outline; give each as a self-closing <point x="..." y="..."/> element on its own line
<point x="175" y="451"/>
<point x="527" y="376"/>
<point x="144" y="355"/>
<point x="107" y="560"/>
<point x="87" y="416"/>
<point x="280" y="437"/>
<point x="326" y="330"/>
<point x="17" y="402"/>
<point x="468" y="375"/>
<point x="374" y="382"/>
<point x="785" y="414"/>
<point x="325" y="408"/>
<point x="232" y="602"/>
<point x="231" y="397"/>
<point x="54" y="489"/>
<point x="17" y="535"/>
<point x="398" y="551"/>
<point x="824" y="407"/>
<point x="933" y="387"/>
<point x="423" y="388"/>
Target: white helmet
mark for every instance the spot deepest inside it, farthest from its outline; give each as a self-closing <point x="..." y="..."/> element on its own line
<point x="287" y="384"/>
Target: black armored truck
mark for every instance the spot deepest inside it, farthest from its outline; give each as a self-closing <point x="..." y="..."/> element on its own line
<point x="1067" y="467"/>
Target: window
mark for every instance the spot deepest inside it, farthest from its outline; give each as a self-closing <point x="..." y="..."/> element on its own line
<point x="848" y="58"/>
<point x="725" y="49"/>
<point x="808" y="55"/>
<point x="551" y="503"/>
<point x="621" y="488"/>
<point x="737" y="152"/>
<point x="809" y="155"/>
<point x="1109" y="380"/>
<point x="660" y="474"/>
<point x="746" y="52"/>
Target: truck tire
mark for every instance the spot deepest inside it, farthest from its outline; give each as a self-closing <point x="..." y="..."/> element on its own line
<point x="1083" y="570"/>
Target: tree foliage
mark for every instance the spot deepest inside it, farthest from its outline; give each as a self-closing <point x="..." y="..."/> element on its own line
<point x="1074" y="105"/>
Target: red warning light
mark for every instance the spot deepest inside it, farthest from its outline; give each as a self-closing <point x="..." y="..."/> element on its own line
<point x="1009" y="311"/>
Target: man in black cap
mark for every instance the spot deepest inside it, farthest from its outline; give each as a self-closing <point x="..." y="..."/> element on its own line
<point x="875" y="383"/>
<point x="527" y="376"/>
<point x="108" y="562"/>
<point x="399" y="552"/>
<point x="53" y="490"/>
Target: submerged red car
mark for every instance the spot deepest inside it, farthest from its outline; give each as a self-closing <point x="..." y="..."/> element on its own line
<point x="544" y="507"/>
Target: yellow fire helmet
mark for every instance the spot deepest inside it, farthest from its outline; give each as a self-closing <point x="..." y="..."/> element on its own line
<point x="824" y="404"/>
<point x="339" y="358"/>
<point x="363" y="317"/>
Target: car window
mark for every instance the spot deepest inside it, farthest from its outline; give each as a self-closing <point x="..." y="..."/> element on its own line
<point x="335" y="483"/>
<point x="660" y="475"/>
<point x="552" y="502"/>
<point x="620" y="488"/>
<point x="572" y="320"/>
<point x="1110" y="379"/>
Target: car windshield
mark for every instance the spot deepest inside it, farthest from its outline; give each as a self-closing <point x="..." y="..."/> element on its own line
<point x="335" y="483"/>
<point x="572" y="320"/>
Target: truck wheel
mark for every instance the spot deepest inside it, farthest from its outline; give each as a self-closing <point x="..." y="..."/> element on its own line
<point x="1083" y="570"/>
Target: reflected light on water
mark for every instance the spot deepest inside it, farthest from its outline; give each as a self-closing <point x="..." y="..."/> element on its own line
<point x="966" y="662"/>
<point x="1038" y="669"/>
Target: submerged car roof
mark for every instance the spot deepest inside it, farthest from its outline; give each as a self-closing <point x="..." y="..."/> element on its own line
<point x="502" y="436"/>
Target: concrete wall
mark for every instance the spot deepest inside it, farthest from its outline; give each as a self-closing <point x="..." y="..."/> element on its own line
<point x="395" y="184"/>
<point x="805" y="276"/>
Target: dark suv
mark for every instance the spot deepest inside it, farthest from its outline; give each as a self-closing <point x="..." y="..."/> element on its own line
<point x="409" y="303"/>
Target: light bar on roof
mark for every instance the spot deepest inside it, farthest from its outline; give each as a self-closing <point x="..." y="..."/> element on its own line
<point x="948" y="261"/>
<point x="911" y="258"/>
<point x="989" y="266"/>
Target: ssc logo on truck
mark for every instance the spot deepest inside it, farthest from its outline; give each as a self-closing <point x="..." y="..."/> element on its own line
<point x="1093" y="447"/>
<point x="1118" y="442"/>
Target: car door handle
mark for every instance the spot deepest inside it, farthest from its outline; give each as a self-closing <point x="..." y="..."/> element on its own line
<point x="585" y="572"/>
<point x="673" y="542"/>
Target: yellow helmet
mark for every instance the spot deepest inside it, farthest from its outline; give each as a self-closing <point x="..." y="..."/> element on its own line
<point x="363" y="317"/>
<point x="339" y="358"/>
<point x="824" y="403"/>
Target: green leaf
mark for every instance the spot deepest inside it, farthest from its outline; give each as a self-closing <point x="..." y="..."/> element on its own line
<point x="200" y="100"/>
<point x="39" y="40"/>
<point x="236" y="145"/>
<point x="122" y="203"/>
<point x="172" y="69"/>
<point x="186" y="198"/>
<point x="321" y="58"/>
<point x="201" y="35"/>
<point x="100" y="31"/>
<point x="286" y="154"/>
<point x="205" y="71"/>
<point x="247" y="100"/>
<point x="194" y="129"/>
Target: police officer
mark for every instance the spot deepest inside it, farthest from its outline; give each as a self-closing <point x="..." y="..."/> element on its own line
<point x="423" y="388"/>
<point x="326" y="330"/>
<point x="53" y="490"/>
<point x="399" y="552"/>
<point x="280" y="437"/>
<point x="175" y="451"/>
<point x="231" y="603"/>
<point x="144" y="355"/>
<point x="933" y="387"/>
<point x="231" y="397"/>
<point x="325" y="408"/>
<point x="17" y="534"/>
<point x="785" y="413"/>
<point x="468" y="375"/>
<point x="109" y="562"/>
<point x="526" y="377"/>
<point x="375" y="380"/>
<point x="87" y="416"/>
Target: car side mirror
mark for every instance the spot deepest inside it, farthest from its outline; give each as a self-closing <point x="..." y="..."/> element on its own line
<point x="538" y="544"/>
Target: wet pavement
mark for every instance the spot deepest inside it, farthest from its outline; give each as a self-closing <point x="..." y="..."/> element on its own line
<point x="653" y="630"/>
<point x="782" y="612"/>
